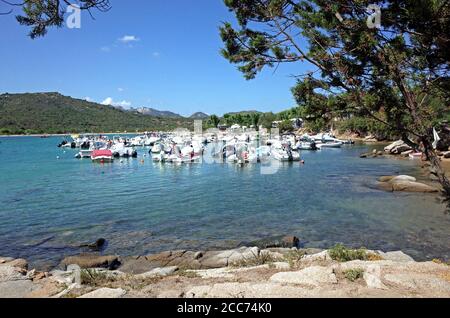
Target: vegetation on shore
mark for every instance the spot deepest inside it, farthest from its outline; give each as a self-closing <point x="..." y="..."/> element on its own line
<point x="53" y="113"/>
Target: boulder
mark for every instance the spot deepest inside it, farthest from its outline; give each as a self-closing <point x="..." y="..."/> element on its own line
<point x="396" y="256"/>
<point x="11" y="273"/>
<point x="396" y="178"/>
<point x="314" y="275"/>
<point x="393" y="145"/>
<point x="92" y="261"/>
<point x="17" y="288"/>
<point x="158" y="272"/>
<point x="409" y="186"/>
<point x="19" y="263"/>
<point x="105" y="293"/>
<point x="290" y="241"/>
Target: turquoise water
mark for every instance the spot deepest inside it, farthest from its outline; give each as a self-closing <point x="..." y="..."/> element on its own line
<point x="50" y="206"/>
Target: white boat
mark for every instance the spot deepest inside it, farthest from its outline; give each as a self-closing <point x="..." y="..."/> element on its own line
<point x="283" y="152"/>
<point x="330" y="145"/>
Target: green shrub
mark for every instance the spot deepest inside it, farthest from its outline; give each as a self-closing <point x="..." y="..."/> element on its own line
<point x="354" y="274"/>
<point x="342" y="254"/>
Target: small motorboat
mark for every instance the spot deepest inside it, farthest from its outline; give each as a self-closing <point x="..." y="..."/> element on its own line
<point x="102" y="156"/>
<point x="330" y="145"/>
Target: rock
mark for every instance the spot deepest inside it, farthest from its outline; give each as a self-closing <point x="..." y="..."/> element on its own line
<point x="161" y="272"/>
<point x="11" y="273"/>
<point x="397" y="147"/>
<point x="403" y="178"/>
<point x="92" y="261"/>
<point x="96" y="246"/>
<point x="105" y="293"/>
<point x="393" y="145"/>
<point x="447" y="155"/>
<point x="372" y="277"/>
<point x="322" y="256"/>
<point x="243" y="254"/>
<point x="19" y="263"/>
<point x="397" y="256"/>
<point x="406" y="153"/>
<point x="5" y="259"/>
<point x="407" y="186"/>
<point x="314" y="275"/>
<point x="198" y="255"/>
<point x="290" y="241"/>
<point x="16" y="288"/>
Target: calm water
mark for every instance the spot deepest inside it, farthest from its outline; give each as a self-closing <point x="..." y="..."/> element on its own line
<point x="50" y="206"/>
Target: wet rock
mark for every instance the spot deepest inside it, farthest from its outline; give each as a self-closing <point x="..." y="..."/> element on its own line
<point x="92" y="261"/>
<point x="405" y="184"/>
<point x="97" y="245"/>
<point x="105" y="293"/>
<point x="5" y="259"/>
<point x="408" y="186"/>
<point x="290" y="241"/>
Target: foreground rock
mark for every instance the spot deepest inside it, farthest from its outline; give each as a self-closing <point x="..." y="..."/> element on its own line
<point x="258" y="273"/>
<point x="404" y="184"/>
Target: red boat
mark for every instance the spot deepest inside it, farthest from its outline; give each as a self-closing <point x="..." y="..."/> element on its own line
<point x="102" y="156"/>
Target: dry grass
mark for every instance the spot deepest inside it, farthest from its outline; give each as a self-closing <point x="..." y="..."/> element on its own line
<point x="255" y="260"/>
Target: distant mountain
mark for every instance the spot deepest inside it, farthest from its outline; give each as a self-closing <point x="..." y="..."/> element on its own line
<point x="244" y="112"/>
<point x="157" y="113"/>
<point x="199" y="115"/>
<point x="38" y="113"/>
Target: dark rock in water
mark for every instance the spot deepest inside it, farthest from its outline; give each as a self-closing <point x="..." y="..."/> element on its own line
<point x="283" y="242"/>
<point x="290" y="241"/>
<point x="97" y="245"/>
<point x="92" y="261"/>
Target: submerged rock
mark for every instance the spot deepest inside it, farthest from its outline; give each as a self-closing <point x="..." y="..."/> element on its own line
<point x="405" y="184"/>
<point x="96" y="246"/>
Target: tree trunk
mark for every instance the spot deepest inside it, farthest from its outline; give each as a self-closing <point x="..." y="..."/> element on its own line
<point x="436" y="164"/>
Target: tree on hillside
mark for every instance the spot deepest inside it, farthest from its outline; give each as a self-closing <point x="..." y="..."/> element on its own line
<point x="356" y="64"/>
<point x="43" y="14"/>
<point x="214" y="121"/>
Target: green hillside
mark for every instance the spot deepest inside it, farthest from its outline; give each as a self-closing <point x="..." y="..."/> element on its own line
<point x="53" y="113"/>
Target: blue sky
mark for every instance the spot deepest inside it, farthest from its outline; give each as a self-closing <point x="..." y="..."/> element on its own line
<point x="151" y="53"/>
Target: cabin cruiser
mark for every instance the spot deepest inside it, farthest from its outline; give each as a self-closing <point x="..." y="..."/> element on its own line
<point x="87" y="153"/>
<point x="120" y="150"/>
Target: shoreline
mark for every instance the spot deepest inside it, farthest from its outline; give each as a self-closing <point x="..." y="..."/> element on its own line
<point x="249" y="272"/>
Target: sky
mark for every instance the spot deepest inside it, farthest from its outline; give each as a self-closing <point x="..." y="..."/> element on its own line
<point x="141" y="53"/>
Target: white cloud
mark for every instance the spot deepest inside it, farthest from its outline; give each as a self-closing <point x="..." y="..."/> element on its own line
<point x="120" y="89"/>
<point x="129" y="38"/>
<point x="88" y="99"/>
<point x="123" y="103"/>
<point x="110" y="102"/>
<point x="105" y="48"/>
<point x="156" y="54"/>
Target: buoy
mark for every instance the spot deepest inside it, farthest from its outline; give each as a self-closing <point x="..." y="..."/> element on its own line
<point x="302" y="162"/>
<point x="57" y="157"/>
<point x="102" y="161"/>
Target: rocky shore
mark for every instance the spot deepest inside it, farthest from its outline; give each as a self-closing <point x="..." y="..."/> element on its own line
<point x="244" y="272"/>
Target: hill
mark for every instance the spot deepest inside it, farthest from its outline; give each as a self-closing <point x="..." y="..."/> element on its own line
<point x="53" y="113"/>
<point x="199" y="115"/>
<point x="157" y="113"/>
